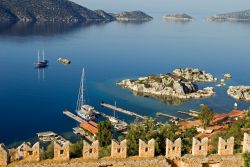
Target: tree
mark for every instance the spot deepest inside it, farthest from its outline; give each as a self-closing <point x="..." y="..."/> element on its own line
<point x="104" y="135"/>
<point x="246" y="157"/>
<point x="76" y="149"/>
<point x="206" y="115"/>
<point x="187" y="139"/>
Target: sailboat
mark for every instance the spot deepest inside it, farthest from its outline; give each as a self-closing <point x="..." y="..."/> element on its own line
<point x="41" y="63"/>
<point x="83" y="110"/>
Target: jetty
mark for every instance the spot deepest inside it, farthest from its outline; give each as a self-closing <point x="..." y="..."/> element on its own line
<point x="169" y="116"/>
<point x="193" y="114"/>
<point x="73" y="116"/>
<point x="122" y="110"/>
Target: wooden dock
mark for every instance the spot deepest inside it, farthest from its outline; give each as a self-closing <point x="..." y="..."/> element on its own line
<point x="73" y="116"/>
<point x="188" y="113"/>
<point x="169" y="116"/>
<point x="122" y="110"/>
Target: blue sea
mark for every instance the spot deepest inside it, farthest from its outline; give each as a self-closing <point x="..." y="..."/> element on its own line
<point x="33" y="100"/>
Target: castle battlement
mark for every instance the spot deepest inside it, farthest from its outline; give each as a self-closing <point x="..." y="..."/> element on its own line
<point x="199" y="156"/>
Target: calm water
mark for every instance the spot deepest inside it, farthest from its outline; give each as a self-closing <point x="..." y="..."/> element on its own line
<point x="32" y="101"/>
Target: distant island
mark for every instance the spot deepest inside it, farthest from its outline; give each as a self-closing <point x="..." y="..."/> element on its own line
<point x="132" y="16"/>
<point x="178" y="17"/>
<point x="234" y="16"/>
<point x="60" y="11"/>
<point x="178" y="84"/>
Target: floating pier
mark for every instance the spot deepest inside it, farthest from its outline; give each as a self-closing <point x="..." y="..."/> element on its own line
<point x="169" y="116"/>
<point x="122" y="110"/>
<point x="73" y="116"/>
<point x="189" y="113"/>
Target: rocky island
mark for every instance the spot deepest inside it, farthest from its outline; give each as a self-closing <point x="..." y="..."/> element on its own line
<point x="178" y="84"/>
<point x="62" y="11"/>
<point x="132" y="16"/>
<point x="178" y="17"/>
<point x="239" y="92"/>
<point x="234" y="16"/>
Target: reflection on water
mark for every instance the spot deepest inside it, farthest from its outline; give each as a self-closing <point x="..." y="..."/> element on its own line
<point x="164" y="99"/>
<point x="41" y="29"/>
<point x="41" y="73"/>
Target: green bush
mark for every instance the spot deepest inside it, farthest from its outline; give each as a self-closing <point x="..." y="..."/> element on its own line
<point x="75" y="149"/>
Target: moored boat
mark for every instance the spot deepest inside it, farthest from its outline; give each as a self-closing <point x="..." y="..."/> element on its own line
<point x="83" y="110"/>
<point x="41" y="63"/>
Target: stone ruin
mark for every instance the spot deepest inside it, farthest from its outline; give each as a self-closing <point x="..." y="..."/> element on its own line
<point x="200" y="148"/>
<point x="147" y="150"/>
<point x="30" y="153"/>
<point x="199" y="157"/>
<point x="119" y="150"/>
<point x="226" y="147"/>
<point x="61" y="151"/>
<point x="90" y="151"/>
<point x="173" y="149"/>
<point x="4" y="156"/>
<point x="246" y="143"/>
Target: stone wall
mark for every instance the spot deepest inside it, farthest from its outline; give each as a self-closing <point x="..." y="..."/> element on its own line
<point x="4" y="156"/>
<point x="226" y="147"/>
<point x="31" y="153"/>
<point x="173" y="149"/>
<point x="147" y="150"/>
<point x="119" y="150"/>
<point x="61" y="151"/>
<point x="246" y="143"/>
<point x="90" y="151"/>
<point x="129" y="162"/>
<point x="211" y="161"/>
<point x="199" y="157"/>
<point x="199" y="148"/>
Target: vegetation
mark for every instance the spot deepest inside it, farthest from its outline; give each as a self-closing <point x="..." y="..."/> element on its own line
<point x="47" y="153"/>
<point x="206" y="115"/>
<point x="149" y="129"/>
<point x="246" y="157"/>
<point x="75" y="149"/>
<point x="104" y="135"/>
<point x="105" y="151"/>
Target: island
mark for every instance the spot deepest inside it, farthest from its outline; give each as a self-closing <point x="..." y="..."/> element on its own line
<point x="178" y="17"/>
<point x="59" y="11"/>
<point x="239" y="92"/>
<point x="132" y="16"/>
<point x="178" y="84"/>
<point x="234" y="16"/>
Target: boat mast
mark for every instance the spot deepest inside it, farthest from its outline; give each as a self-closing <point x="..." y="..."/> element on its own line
<point x="38" y="56"/>
<point x="43" y="54"/>
<point x="80" y="100"/>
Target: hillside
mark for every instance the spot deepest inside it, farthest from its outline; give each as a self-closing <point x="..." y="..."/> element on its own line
<point x="63" y="11"/>
<point x="234" y="16"/>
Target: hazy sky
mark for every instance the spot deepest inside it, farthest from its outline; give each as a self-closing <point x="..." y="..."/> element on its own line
<point x="190" y="6"/>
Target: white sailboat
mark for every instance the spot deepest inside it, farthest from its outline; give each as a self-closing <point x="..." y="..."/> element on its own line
<point x="41" y="63"/>
<point x="82" y="109"/>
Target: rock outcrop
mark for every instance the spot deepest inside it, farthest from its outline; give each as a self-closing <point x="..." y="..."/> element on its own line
<point x="239" y="92"/>
<point x="62" y="11"/>
<point x="234" y="16"/>
<point x="194" y="75"/>
<point x="179" y="84"/>
<point x="132" y="16"/>
<point x="178" y="17"/>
